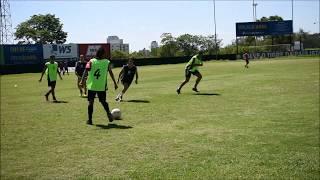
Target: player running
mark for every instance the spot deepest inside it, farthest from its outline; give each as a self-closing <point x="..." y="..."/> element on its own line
<point x="79" y="69"/>
<point x="246" y="58"/>
<point x="192" y="68"/>
<point x="97" y="69"/>
<point x="51" y="69"/>
<point x="126" y="75"/>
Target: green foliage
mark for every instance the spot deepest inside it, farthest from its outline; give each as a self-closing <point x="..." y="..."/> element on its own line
<point x="41" y="29"/>
<point x="169" y="47"/>
<point x="187" y="45"/>
<point x="308" y="40"/>
<point x="263" y="123"/>
<point x="271" y="18"/>
<point x="155" y="52"/>
<point x="119" y="55"/>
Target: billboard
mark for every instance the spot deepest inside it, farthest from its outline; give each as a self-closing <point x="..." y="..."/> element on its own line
<point x="61" y="51"/>
<point x="22" y="54"/>
<point x="264" y="28"/>
<point x="90" y="50"/>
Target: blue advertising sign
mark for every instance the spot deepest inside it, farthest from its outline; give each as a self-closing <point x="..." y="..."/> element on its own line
<point x="23" y="54"/>
<point x="264" y="28"/>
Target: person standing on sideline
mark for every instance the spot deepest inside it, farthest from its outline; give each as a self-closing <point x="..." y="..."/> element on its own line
<point x="51" y="69"/>
<point x="79" y="69"/>
<point x="97" y="70"/>
<point x="192" y="68"/>
<point x="60" y="64"/>
<point x="126" y="75"/>
<point x="65" y="67"/>
<point x="246" y="58"/>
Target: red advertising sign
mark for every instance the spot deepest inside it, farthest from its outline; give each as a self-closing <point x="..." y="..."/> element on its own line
<point x="89" y="50"/>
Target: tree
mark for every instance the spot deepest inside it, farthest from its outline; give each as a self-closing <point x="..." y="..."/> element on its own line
<point x="155" y="52"/>
<point x="208" y="44"/>
<point x="137" y="54"/>
<point x="169" y="47"/>
<point x="119" y="55"/>
<point x="41" y="29"/>
<point x="308" y="40"/>
<point x="271" y="18"/>
<point x="188" y="44"/>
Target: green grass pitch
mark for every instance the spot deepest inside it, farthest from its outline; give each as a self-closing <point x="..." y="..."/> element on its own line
<point x="261" y="122"/>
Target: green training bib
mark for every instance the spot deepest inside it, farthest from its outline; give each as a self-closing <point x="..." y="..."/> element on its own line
<point x="52" y="71"/>
<point x="193" y="60"/>
<point x="97" y="76"/>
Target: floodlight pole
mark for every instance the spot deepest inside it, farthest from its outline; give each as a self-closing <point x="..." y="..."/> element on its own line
<point x="292" y="36"/>
<point x="253" y="11"/>
<point x="254" y="20"/>
<point x="215" y="28"/>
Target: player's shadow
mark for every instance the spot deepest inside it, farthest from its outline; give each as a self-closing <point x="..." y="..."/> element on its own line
<point x="59" y="102"/>
<point x="113" y="126"/>
<point x="207" y="94"/>
<point x="136" y="101"/>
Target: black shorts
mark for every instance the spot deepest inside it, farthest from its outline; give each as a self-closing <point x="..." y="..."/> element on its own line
<point x="126" y="81"/>
<point x="102" y="95"/>
<point x="188" y="73"/>
<point x="52" y="83"/>
<point x="84" y="79"/>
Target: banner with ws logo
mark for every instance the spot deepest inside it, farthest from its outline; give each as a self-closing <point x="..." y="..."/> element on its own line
<point x="61" y="51"/>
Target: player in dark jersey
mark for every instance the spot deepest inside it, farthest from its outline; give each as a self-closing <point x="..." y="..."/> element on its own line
<point x="126" y="75"/>
<point x="60" y="64"/>
<point x="79" y="69"/>
<point x="246" y="58"/>
<point x="65" y="67"/>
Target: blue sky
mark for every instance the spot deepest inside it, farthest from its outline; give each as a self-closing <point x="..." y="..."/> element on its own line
<point x="140" y="22"/>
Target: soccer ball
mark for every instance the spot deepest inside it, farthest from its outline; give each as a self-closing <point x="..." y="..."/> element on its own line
<point x="116" y="113"/>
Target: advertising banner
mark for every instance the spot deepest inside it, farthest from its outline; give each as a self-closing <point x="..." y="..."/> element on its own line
<point x="264" y="28"/>
<point x="90" y="50"/>
<point x="22" y="54"/>
<point x="60" y="51"/>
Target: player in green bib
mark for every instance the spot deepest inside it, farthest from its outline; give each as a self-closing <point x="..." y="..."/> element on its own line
<point x="97" y="70"/>
<point x="192" y="68"/>
<point x="51" y="70"/>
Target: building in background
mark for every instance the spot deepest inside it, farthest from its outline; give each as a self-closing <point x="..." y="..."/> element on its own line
<point x="117" y="44"/>
<point x="154" y="44"/>
<point x="145" y="52"/>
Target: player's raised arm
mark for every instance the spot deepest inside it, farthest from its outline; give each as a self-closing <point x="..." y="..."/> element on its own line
<point x="112" y="77"/>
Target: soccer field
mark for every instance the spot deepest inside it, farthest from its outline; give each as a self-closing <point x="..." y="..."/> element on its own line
<point x="261" y="122"/>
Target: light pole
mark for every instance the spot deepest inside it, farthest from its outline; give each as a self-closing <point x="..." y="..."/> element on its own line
<point x="254" y="6"/>
<point x="215" y="28"/>
<point x="292" y="36"/>
<point x="254" y="11"/>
